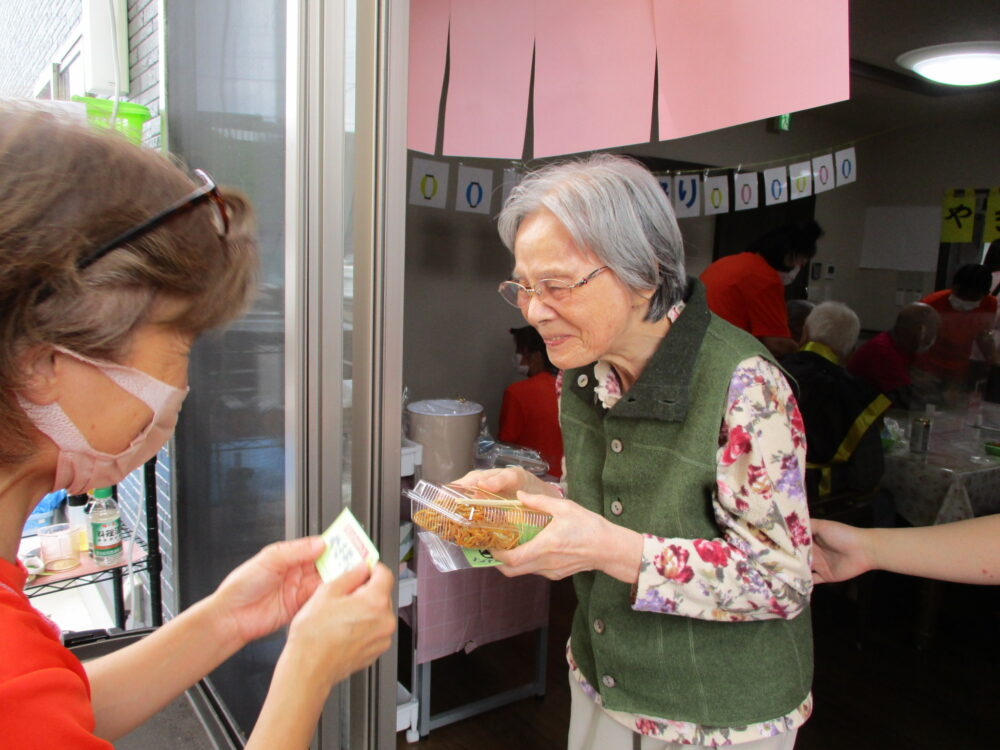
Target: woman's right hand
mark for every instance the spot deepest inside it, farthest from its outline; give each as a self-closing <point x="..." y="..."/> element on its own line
<point x="346" y="624"/>
<point x="508" y="481"/>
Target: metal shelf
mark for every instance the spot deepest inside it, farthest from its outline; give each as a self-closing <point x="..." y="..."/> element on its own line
<point x="41" y="586"/>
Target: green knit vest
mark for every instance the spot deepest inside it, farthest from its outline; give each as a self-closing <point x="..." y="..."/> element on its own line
<point x="651" y="458"/>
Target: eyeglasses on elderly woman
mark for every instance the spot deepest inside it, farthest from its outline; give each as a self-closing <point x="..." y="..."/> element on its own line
<point x="546" y="290"/>
<point x="208" y="191"/>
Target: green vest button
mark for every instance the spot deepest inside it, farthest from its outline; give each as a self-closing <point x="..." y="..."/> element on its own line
<point x="617" y="508"/>
<point x="598" y="626"/>
<point x="608" y="681"/>
<point x="582" y="381"/>
<point x="616" y="445"/>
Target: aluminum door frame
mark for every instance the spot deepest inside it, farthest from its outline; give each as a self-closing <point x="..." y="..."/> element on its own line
<point x="361" y="712"/>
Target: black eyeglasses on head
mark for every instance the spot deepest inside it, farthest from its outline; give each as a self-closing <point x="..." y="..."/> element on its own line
<point x="208" y="192"/>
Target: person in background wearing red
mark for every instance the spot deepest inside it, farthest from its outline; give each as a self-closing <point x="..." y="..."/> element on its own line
<point x="967" y="312"/>
<point x="529" y="414"/>
<point x="884" y="360"/>
<point x="748" y="289"/>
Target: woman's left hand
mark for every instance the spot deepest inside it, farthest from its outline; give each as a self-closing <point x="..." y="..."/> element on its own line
<point x="575" y="540"/>
<point x="264" y="593"/>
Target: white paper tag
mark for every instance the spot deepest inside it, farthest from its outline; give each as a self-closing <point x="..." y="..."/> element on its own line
<point x="347" y="546"/>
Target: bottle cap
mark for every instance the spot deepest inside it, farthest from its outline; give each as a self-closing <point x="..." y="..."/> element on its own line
<point x="102" y="492"/>
<point x="75" y="501"/>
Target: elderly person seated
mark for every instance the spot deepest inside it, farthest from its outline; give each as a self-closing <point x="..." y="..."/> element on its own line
<point x="884" y="361"/>
<point x="112" y="261"/>
<point x="687" y="534"/>
<point x="842" y="414"/>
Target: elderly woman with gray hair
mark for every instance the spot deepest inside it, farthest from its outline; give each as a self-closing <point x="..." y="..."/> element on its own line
<point x="687" y="535"/>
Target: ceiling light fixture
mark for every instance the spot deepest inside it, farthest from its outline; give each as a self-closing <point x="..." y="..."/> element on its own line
<point x="958" y="64"/>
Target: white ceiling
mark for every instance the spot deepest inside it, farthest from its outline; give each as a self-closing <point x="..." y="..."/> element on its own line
<point x="881" y="30"/>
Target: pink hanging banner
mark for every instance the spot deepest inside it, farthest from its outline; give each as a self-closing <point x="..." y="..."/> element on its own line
<point x="594" y="67"/>
<point x="428" y="50"/>
<point x="490" y="75"/>
<point x="729" y="62"/>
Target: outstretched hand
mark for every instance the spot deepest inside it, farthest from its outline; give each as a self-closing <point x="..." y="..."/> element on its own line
<point x="839" y="552"/>
<point x="264" y="593"/>
<point x="346" y="624"/>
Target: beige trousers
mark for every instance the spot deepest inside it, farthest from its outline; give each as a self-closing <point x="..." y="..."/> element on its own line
<point x="590" y="728"/>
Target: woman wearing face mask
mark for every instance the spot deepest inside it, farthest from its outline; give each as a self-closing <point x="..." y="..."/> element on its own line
<point x="967" y="313"/>
<point x="112" y="260"/>
<point x="748" y="289"/>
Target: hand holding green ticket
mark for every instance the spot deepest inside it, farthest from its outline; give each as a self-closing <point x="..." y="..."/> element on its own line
<point x="347" y="546"/>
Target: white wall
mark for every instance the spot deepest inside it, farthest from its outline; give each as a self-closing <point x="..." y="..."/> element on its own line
<point x="456" y="340"/>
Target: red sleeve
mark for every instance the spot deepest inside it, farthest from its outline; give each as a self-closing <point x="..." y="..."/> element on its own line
<point x="511" y="418"/>
<point x="768" y="314"/>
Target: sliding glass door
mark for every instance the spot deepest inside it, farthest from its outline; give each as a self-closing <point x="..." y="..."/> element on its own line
<point x="294" y="410"/>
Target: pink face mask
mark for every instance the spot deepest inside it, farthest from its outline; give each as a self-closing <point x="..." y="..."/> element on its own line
<point x="80" y="467"/>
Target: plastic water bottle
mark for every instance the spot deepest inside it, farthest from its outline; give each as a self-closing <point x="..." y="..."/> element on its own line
<point x="105" y="529"/>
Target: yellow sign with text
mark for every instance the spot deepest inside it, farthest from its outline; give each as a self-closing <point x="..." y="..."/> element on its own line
<point x="991" y="222"/>
<point x="957" y="212"/>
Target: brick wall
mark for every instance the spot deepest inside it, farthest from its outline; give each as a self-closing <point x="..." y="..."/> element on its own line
<point x="144" y="63"/>
<point x="31" y="32"/>
<point x="144" y="89"/>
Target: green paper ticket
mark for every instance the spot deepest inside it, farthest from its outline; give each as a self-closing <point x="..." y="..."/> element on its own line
<point x="347" y="546"/>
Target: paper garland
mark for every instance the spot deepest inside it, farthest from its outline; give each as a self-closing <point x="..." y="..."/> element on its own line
<point x="690" y="193"/>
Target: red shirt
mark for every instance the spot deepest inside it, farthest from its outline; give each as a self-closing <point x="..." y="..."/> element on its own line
<point x="529" y="416"/>
<point x="881" y="363"/>
<point x="744" y="290"/>
<point x="949" y="357"/>
<point x="44" y="692"/>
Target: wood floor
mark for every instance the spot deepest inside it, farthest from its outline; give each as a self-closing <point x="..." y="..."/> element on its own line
<point x="874" y="687"/>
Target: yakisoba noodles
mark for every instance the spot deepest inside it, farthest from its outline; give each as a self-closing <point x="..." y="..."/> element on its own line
<point x="471" y="517"/>
<point x="480" y="533"/>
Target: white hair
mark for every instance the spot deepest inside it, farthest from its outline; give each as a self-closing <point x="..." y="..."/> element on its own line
<point x="834" y="324"/>
<point x="613" y="207"/>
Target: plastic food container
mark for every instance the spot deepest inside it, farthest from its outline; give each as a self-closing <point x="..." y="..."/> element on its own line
<point x="473" y="518"/>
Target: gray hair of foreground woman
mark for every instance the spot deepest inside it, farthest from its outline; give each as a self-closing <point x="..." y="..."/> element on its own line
<point x="613" y="207"/>
<point x="66" y="189"/>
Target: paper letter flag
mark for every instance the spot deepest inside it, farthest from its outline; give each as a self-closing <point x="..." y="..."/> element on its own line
<point x="429" y="183"/>
<point x="745" y="191"/>
<point x="687" y="195"/>
<point x="800" y="180"/>
<point x="475" y="190"/>
<point x="823" y="175"/>
<point x="775" y="185"/>
<point x="716" y="194"/>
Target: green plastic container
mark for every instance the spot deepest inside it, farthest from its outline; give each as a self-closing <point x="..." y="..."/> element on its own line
<point x="128" y="121"/>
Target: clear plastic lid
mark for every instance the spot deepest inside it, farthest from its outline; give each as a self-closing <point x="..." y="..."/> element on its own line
<point x="472" y="517"/>
<point x="445" y="407"/>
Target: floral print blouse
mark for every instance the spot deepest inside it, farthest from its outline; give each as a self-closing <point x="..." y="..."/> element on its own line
<point x="760" y="566"/>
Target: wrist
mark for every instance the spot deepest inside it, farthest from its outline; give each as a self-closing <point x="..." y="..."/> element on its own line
<point x="220" y="622"/>
<point x="620" y="552"/>
<point x="871" y="544"/>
